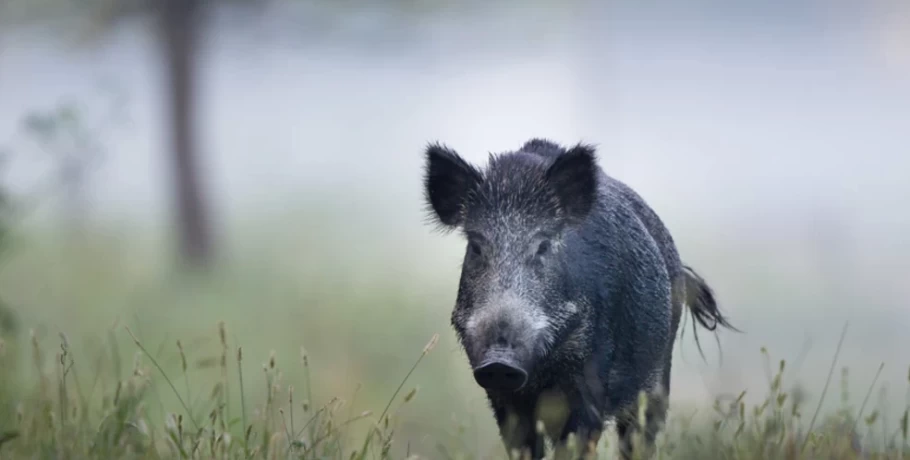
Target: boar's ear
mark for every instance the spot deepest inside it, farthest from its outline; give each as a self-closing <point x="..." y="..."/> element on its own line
<point x="573" y="177"/>
<point x="448" y="181"/>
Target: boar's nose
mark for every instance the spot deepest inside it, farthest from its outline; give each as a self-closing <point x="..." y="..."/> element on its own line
<point x="500" y="375"/>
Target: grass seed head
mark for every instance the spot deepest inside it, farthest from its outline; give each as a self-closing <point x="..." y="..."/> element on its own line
<point x="182" y="355"/>
<point x="137" y="364"/>
<point x="36" y="348"/>
<point x="431" y="344"/>
<point x="222" y="333"/>
<point x="117" y="393"/>
<point x="410" y="394"/>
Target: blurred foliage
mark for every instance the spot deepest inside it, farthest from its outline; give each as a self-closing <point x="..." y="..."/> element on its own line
<point x="69" y="137"/>
<point x="63" y="134"/>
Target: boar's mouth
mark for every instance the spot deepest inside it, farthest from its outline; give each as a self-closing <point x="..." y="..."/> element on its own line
<point x="500" y="370"/>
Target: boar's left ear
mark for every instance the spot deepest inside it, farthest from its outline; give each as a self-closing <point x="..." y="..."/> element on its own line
<point x="573" y="177"/>
<point x="448" y="182"/>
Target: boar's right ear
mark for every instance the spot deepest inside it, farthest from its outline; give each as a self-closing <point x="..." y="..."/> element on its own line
<point x="573" y="178"/>
<point x="448" y="181"/>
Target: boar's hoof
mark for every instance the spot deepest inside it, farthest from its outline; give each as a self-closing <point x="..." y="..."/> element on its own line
<point x="500" y="375"/>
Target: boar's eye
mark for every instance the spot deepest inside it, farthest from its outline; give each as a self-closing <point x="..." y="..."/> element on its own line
<point x="476" y="242"/>
<point x="543" y="248"/>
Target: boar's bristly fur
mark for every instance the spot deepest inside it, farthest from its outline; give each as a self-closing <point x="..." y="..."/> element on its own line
<point x="571" y="292"/>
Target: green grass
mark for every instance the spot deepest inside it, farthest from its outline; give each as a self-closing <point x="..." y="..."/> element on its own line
<point x="58" y="416"/>
<point x="310" y="348"/>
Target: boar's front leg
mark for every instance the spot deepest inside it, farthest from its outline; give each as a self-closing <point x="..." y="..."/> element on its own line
<point x="586" y="438"/>
<point x="628" y="427"/>
<point x="585" y="447"/>
<point x="519" y="434"/>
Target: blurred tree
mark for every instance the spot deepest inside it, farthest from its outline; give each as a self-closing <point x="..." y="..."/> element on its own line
<point x="179" y="30"/>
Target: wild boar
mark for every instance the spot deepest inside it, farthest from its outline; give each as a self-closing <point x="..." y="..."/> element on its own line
<point x="571" y="292"/>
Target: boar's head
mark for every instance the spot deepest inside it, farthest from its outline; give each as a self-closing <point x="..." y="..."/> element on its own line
<point x="515" y="301"/>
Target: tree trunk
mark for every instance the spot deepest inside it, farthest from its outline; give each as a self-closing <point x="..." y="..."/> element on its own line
<point x="179" y="29"/>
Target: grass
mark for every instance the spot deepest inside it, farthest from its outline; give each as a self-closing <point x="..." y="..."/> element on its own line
<point x="56" y="416"/>
<point x="114" y="358"/>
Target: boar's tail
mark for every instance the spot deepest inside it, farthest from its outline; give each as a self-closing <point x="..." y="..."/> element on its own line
<point x="702" y="305"/>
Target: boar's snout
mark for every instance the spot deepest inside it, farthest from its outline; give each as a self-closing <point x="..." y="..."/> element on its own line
<point x="501" y="373"/>
<point x="502" y="339"/>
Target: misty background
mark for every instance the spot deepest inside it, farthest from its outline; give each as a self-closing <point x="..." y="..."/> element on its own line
<point x="773" y="138"/>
